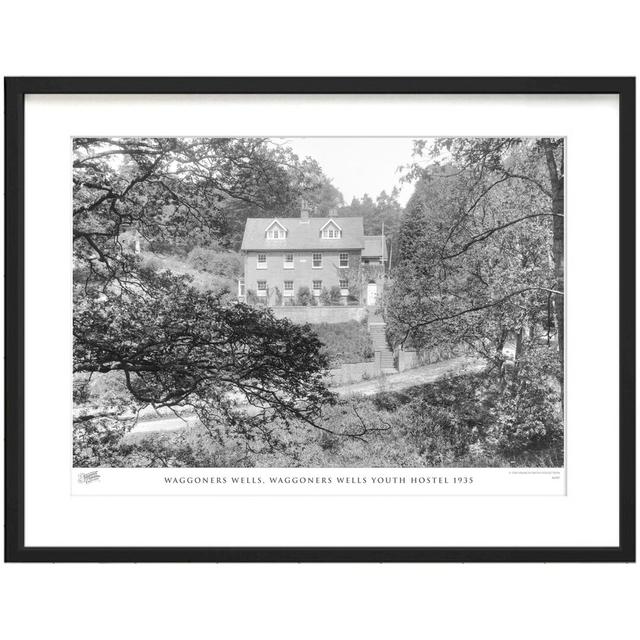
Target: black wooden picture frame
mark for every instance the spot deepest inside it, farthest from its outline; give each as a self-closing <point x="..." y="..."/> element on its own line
<point x="15" y="91"/>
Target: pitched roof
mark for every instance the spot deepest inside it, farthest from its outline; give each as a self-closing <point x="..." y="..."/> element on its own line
<point x="373" y="246"/>
<point x="276" y="221"/>
<point x="302" y="234"/>
<point x="331" y="221"/>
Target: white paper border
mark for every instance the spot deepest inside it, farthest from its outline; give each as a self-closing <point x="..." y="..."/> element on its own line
<point x="586" y="516"/>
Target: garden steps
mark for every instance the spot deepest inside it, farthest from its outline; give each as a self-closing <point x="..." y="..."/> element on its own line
<point x="377" y="331"/>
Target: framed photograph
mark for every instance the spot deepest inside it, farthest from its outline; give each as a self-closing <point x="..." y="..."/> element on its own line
<point x="320" y="319"/>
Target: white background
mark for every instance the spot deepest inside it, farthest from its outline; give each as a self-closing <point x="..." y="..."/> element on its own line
<point x="586" y="516"/>
<point x="400" y="38"/>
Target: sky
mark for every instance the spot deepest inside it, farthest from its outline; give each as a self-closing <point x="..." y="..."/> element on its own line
<point x="357" y="166"/>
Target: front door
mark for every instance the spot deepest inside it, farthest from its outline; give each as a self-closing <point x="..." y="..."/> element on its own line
<point x="372" y="294"/>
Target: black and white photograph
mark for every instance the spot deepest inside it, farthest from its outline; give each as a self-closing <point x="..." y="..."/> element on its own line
<point x="320" y="319"/>
<point x="318" y="302"/>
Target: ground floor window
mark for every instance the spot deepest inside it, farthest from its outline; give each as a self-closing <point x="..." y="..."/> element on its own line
<point x="262" y="287"/>
<point x="288" y="287"/>
<point x="241" y="287"/>
<point x="317" y="287"/>
<point x="344" y="287"/>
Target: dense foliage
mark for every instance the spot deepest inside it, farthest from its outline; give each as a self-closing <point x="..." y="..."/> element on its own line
<point x="467" y="421"/>
<point x="153" y="222"/>
<point x="480" y="262"/>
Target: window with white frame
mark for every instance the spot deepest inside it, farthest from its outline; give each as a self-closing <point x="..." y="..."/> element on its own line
<point x="288" y="287"/>
<point x="331" y="231"/>
<point x="288" y="260"/>
<point x="344" y="287"/>
<point x="262" y="287"/>
<point x="344" y="260"/>
<point x="316" y="262"/>
<point x="262" y="261"/>
<point x="241" y="287"/>
<point x="317" y="287"/>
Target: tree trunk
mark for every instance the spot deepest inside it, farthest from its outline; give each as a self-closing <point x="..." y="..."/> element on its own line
<point x="556" y="176"/>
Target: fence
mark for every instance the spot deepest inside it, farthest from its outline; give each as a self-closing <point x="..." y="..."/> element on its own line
<point x="410" y="359"/>
<point x="355" y="372"/>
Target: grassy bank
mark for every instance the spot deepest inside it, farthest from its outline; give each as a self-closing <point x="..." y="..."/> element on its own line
<point x="345" y="342"/>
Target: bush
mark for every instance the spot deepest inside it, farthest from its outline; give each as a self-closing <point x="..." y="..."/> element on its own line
<point x="528" y="412"/>
<point x="224" y="264"/>
<point x="304" y="297"/>
<point x="335" y="297"/>
<point x="325" y="298"/>
<point x="208" y="269"/>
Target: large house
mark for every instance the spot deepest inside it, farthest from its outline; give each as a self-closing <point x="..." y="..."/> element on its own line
<point x="284" y="254"/>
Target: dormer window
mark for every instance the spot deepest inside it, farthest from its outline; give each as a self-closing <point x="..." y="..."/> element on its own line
<point x="331" y="233"/>
<point x="276" y="231"/>
<point x="331" y="230"/>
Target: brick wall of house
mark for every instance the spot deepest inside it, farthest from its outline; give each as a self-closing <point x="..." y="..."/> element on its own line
<point x="302" y="274"/>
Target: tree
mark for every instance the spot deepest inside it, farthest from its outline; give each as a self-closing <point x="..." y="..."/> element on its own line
<point x="178" y="192"/>
<point x="499" y="163"/>
<point x="478" y="244"/>
<point x="175" y="345"/>
<point x="178" y="347"/>
<point x="326" y="199"/>
<point x="383" y="215"/>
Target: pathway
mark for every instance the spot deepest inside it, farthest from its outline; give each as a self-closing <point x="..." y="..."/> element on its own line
<point x="412" y="377"/>
<point x="392" y="382"/>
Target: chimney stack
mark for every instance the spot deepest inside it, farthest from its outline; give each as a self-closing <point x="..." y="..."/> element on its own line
<point x="305" y="208"/>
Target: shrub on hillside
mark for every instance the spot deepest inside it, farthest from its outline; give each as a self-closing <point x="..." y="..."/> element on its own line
<point x="208" y="270"/>
<point x="220" y="263"/>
